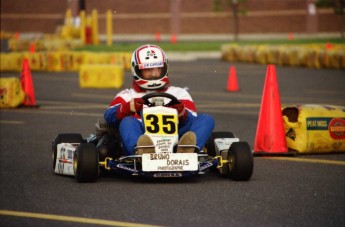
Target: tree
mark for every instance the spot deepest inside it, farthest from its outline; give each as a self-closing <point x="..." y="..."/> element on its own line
<point x="235" y="7"/>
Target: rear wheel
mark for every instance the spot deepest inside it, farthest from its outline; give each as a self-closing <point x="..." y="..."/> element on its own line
<point x="241" y="163"/>
<point x="64" y="138"/>
<point x="86" y="163"/>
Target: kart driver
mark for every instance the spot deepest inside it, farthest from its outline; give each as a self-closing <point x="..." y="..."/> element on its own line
<point x="149" y="66"/>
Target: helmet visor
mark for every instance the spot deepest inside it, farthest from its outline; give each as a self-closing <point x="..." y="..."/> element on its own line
<point x="163" y="65"/>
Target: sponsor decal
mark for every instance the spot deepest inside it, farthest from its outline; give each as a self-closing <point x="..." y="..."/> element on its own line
<point x="207" y="165"/>
<point x="70" y="153"/>
<point x="163" y="144"/>
<point x="337" y="128"/>
<point x="61" y="168"/>
<point x="159" y="156"/>
<point x="154" y="85"/>
<point x="151" y="65"/>
<point x="125" y="168"/>
<point x="167" y="175"/>
<point x="291" y="134"/>
<point x="317" y="123"/>
<point x="169" y="162"/>
<point x="150" y="53"/>
<point x="65" y="161"/>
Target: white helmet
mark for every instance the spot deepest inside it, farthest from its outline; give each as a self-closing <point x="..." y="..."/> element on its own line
<point x="149" y="56"/>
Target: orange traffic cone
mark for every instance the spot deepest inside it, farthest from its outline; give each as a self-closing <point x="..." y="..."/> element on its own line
<point x="270" y="134"/>
<point x="232" y="80"/>
<point x="32" y="48"/>
<point x="173" y="39"/>
<point x="158" y="37"/>
<point x="16" y="35"/>
<point x="329" y="46"/>
<point x="27" y="84"/>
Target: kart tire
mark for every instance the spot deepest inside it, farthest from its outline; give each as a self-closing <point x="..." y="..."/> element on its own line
<point x="85" y="163"/>
<point x="64" y="138"/>
<point x="210" y="146"/>
<point x="241" y="163"/>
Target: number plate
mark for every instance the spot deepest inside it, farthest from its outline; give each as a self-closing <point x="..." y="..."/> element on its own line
<point x="161" y="124"/>
<point x="170" y="162"/>
<point x="160" y="120"/>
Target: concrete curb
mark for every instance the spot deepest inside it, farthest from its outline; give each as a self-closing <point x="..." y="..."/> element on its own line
<point x="193" y="55"/>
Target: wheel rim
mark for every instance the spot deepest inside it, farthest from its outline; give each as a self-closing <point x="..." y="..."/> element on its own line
<point x="231" y="162"/>
<point x="75" y="163"/>
<point x="53" y="158"/>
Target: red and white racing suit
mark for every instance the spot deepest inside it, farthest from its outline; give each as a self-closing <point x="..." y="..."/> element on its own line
<point x="131" y="127"/>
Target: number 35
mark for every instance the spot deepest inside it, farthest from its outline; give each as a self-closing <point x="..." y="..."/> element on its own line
<point x="161" y="124"/>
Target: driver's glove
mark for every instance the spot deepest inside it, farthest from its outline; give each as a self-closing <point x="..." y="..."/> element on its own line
<point x="182" y="112"/>
<point x="129" y="108"/>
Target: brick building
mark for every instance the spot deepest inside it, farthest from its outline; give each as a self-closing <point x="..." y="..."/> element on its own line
<point x="174" y="16"/>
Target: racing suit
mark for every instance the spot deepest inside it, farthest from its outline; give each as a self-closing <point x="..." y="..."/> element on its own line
<point x="131" y="127"/>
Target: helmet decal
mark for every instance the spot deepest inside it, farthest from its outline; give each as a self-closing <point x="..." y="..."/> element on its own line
<point x="151" y="65"/>
<point x="150" y="53"/>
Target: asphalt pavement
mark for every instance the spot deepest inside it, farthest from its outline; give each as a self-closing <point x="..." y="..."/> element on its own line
<point x="307" y="190"/>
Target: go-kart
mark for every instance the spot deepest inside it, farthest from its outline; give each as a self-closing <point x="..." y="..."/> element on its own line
<point x="86" y="158"/>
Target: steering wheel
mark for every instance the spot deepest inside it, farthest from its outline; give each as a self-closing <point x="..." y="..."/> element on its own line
<point x="173" y="99"/>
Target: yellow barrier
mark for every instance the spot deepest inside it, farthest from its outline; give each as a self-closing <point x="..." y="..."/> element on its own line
<point x="59" y="61"/>
<point x="312" y="56"/>
<point x="46" y="44"/>
<point x="37" y="61"/>
<point x="11" y="93"/>
<point x="315" y="128"/>
<point x="11" y="61"/>
<point x="56" y="61"/>
<point x="101" y="76"/>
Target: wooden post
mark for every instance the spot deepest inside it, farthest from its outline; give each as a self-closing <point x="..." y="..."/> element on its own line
<point x="95" y="37"/>
<point x="109" y="27"/>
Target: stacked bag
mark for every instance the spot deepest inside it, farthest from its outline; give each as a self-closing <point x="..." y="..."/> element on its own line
<point x="59" y="61"/>
<point x="311" y="55"/>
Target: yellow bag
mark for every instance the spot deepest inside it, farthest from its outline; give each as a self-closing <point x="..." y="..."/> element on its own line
<point x="11" y="92"/>
<point x="55" y="61"/>
<point x="101" y="76"/>
<point x="38" y="60"/>
<point x="315" y="128"/>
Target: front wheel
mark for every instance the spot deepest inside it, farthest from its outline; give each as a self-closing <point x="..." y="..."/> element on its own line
<point x="85" y="163"/>
<point x="241" y="163"/>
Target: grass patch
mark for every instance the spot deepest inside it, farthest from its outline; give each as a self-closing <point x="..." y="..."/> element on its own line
<point x="201" y="45"/>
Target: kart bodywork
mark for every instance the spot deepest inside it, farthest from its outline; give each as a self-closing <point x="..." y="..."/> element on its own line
<point x="86" y="158"/>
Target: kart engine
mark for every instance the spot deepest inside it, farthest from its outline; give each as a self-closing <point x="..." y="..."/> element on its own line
<point x="109" y="144"/>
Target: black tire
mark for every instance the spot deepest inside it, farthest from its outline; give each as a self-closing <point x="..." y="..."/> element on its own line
<point x="64" y="138"/>
<point x="86" y="163"/>
<point x="211" y="150"/>
<point x="241" y="163"/>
